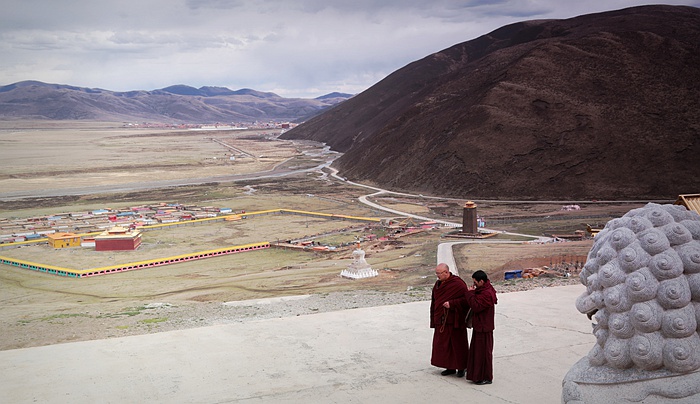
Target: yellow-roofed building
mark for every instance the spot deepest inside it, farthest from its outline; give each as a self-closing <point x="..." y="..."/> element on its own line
<point x="63" y="240"/>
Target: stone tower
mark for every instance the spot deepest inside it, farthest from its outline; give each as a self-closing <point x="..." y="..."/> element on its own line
<point x="469" y="220"/>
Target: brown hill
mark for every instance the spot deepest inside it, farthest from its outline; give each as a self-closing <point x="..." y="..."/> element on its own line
<point x="174" y="104"/>
<point x="601" y="106"/>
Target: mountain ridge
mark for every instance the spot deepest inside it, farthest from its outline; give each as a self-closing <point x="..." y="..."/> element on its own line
<point x="599" y="106"/>
<point x="178" y="103"/>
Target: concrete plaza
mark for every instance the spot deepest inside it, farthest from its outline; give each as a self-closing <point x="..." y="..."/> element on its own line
<point x="367" y="355"/>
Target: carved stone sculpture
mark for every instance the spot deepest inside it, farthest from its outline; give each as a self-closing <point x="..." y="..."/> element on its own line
<point x="642" y="279"/>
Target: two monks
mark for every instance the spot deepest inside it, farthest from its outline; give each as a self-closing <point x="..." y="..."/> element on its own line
<point x="451" y="300"/>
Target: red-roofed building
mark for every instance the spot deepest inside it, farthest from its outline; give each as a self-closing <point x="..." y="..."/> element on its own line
<point x="118" y="239"/>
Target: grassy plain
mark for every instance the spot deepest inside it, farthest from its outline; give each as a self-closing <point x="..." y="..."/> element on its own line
<point x="74" y="157"/>
<point x="64" y="167"/>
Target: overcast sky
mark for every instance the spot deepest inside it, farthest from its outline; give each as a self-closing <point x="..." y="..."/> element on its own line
<point x="295" y="48"/>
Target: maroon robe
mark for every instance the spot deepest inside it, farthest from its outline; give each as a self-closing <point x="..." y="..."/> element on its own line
<point x="482" y="301"/>
<point x="450" y="343"/>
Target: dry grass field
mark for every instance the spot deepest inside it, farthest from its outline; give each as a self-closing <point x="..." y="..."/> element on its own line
<point x="40" y="309"/>
<point x="70" y="157"/>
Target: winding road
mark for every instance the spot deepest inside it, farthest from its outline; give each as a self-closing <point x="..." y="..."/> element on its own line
<point x="444" y="250"/>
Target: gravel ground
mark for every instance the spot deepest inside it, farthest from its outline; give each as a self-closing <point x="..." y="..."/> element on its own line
<point x="103" y="322"/>
<point x="308" y="304"/>
<point x="230" y="312"/>
<point x="203" y="314"/>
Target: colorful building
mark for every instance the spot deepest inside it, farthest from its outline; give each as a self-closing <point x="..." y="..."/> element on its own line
<point x="63" y="240"/>
<point x="88" y="242"/>
<point x="118" y="239"/>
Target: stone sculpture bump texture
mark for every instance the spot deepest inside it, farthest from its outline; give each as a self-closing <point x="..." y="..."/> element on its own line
<point x="642" y="279"/>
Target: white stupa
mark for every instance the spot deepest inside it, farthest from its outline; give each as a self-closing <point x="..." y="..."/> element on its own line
<point x="358" y="268"/>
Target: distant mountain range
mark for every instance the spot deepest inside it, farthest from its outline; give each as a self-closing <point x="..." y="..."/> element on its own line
<point x="174" y="104"/>
<point x="601" y="106"/>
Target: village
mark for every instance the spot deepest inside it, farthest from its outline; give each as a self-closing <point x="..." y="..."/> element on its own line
<point x="121" y="229"/>
<point x="115" y="230"/>
<point x="85" y="224"/>
<point x="98" y="220"/>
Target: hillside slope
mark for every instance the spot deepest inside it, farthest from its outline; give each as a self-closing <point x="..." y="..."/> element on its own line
<point x="601" y="106"/>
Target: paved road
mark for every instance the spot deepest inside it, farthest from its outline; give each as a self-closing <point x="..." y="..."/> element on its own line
<point x="445" y="252"/>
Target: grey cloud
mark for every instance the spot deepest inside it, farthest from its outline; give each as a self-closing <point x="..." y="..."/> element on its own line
<point x="214" y="4"/>
<point x="302" y="48"/>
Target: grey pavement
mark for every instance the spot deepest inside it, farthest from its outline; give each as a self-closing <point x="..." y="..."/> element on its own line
<point x="367" y="355"/>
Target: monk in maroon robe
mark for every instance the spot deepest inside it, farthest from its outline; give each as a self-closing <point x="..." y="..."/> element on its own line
<point x="482" y="301"/>
<point x="448" y="310"/>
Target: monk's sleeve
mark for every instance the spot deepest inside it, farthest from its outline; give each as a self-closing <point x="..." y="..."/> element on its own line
<point x="478" y="301"/>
